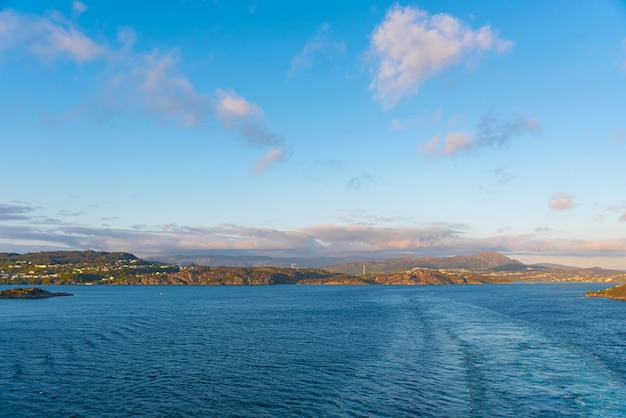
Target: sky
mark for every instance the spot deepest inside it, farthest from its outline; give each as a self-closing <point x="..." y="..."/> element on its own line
<point x="312" y="129"/>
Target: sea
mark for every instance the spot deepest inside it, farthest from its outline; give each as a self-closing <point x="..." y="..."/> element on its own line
<point x="519" y="350"/>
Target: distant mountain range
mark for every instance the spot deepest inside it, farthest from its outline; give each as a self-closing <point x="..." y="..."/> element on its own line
<point x="353" y="265"/>
<point x="253" y="260"/>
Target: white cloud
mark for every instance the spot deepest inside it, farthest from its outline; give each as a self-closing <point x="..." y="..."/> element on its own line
<point x="410" y="46"/>
<point x="321" y="43"/>
<point x="78" y="7"/>
<point x="561" y="201"/>
<point x="46" y="38"/>
<point x="272" y="156"/>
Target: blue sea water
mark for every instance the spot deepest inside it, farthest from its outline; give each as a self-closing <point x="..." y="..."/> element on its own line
<point x="455" y="351"/>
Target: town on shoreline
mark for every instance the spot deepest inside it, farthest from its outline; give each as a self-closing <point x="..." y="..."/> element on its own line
<point x="118" y="268"/>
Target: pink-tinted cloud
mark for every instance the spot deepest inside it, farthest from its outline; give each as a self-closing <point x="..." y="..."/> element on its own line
<point x="561" y="201"/>
<point x="272" y="156"/>
<point x="455" y="142"/>
<point x="47" y="38"/>
<point x="35" y="233"/>
<point x="489" y="133"/>
<point x="239" y="114"/>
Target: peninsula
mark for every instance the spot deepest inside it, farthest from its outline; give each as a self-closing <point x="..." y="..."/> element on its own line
<point x="30" y="293"/>
<point x="615" y="292"/>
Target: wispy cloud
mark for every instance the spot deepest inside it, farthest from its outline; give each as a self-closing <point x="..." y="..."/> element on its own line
<point x="68" y="213"/>
<point x="495" y="133"/>
<point x="272" y="156"/>
<point x="561" y="201"/>
<point x="247" y="118"/>
<point x="148" y="83"/>
<point x="410" y="46"/>
<point x="326" y="163"/>
<point x="47" y="38"/>
<point x="356" y="183"/>
<point x="621" y="207"/>
<point x="151" y="83"/>
<point x="489" y="133"/>
<point x="503" y="174"/>
<point x="368" y="218"/>
<point x="425" y="119"/>
<point x="14" y="212"/>
<point x="78" y="7"/>
<point x="320" y="44"/>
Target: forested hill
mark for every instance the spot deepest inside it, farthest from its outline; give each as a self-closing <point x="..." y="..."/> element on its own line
<point x="480" y="261"/>
<point x="92" y="258"/>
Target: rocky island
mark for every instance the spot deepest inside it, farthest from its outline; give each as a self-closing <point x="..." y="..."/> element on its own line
<point x="30" y="293"/>
<point x="615" y="292"/>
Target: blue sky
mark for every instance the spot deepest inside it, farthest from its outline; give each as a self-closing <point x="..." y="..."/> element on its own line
<point x="268" y="127"/>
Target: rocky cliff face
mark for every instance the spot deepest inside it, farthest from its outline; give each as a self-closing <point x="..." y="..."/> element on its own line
<point x="199" y="275"/>
<point x="239" y="276"/>
<point x="424" y="277"/>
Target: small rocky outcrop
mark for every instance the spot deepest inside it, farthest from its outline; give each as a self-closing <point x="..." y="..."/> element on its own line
<point x="30" y="293"/>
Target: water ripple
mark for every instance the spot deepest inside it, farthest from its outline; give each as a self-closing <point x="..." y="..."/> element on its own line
<point x="313" y="351"/>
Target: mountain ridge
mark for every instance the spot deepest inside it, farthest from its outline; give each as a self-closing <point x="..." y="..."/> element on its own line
<point x="481" y="261"/>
